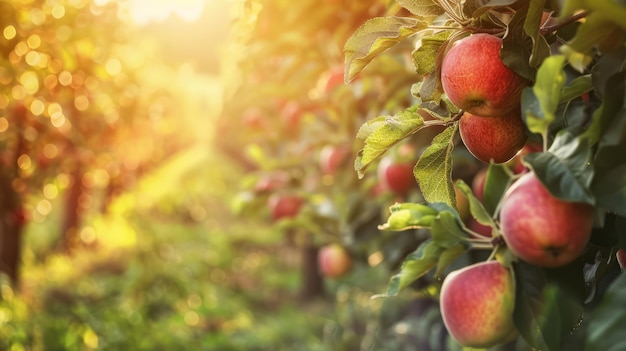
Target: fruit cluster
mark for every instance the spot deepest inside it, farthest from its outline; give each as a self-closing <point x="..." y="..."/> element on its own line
<point x="476" y="81"/>
<point x="536" y="226"/>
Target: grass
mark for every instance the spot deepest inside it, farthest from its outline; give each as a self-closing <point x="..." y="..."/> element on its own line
<point x="171" y="269"/>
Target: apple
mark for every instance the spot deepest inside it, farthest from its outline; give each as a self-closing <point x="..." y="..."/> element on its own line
<point x="516" y="163"/>
<point x="396" y="176"/>
<point x="19" y="217"/>
<point x="334" y="261"/>
<point x="475" y="79"/>
<point x="291" y="114"/>
<point x="268" y="183"/>
<point x="540" y="228"/>
<point x="331" y="79"/>
<point x="477" y="305"/>
<point x="331" y="157"/>
<point x="478" y="184"/>
<point x="496" y="139"/>
<point x="253" y="118"/>
<point x="462" y="205"/>
<point x="621" y="258"/>
<point x="478" y="228"/>
<point x="284" y="205"/>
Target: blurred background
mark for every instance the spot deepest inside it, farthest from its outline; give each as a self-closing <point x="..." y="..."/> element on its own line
<point x="172" y="173"/>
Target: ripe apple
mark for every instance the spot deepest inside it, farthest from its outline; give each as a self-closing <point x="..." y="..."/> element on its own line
<point x="497" y="138"/>
<point x="462" y="205"/>
<point x="475" y="79"/>
<point x="481" y="229"/>
<point x="396" y="176"/>
<point x="253" y="119"/>
<point x="516" y="163"/>
<point x="621" y="258"/>
<point x="478" y="184"/>
<point x="334" y="261"/>
<point x="540" y="228"/>
<point x="331" y="79"/>
<point x="477" y="305"/>
<point x="19" y="217"/>
<point x="284" y="205"/>
<point x="271" y="182"/>
<point x="291" y="114"/>
<point x="331" y="157"/>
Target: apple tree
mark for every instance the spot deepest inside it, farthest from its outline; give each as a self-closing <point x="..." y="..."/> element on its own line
<point x="70" y="111"/>
<point x="534" y="90"/>
<point x="291" y="123"/>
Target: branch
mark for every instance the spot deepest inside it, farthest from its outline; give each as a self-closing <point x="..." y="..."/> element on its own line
<point x="553" y="28"/>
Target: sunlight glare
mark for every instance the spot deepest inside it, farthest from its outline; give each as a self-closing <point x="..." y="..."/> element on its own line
<point x="145" y="11"/>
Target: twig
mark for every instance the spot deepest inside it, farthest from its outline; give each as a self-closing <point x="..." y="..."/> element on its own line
<point x="553" y="28"/>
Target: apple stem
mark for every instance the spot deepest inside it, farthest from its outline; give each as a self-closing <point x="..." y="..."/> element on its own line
<point x="553" y="28"/>
<point x="487" y="30"/>
<point x="481" y="246"/>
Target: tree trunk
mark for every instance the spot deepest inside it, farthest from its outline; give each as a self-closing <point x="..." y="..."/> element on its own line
<point x="11" y="224"/>
<point x="72" y="215"/>
<point x="312" y="280"/>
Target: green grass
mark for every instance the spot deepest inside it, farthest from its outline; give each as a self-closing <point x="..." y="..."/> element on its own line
<point x="181" y="280"/>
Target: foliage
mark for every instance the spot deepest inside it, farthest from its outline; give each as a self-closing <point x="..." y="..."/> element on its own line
<point x="566" y="106"/>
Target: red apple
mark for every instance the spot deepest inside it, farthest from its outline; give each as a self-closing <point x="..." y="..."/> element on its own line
<point x="477" y="305"/>
<point x="396" y="176"/>
<point x="331" y="79"/>
<point x="542" y="229"/>
<point x="497" y="138"/>
<point x="331" y="157"/>
<point x="268" y="183"/>
<point x="478" y="184"/>
<point x="516" y="163"/>
<point x="475" y="79"/>
<point x="291" y="113"/>
<point x="19" y="217"/>
<point x="478" y="228"/>
<point x="334" y="261"/>
<point x="284" y="205"/>
<point x="621" y="258"/>
<point x="462" y="205"/>
<point x="253" y="118"/>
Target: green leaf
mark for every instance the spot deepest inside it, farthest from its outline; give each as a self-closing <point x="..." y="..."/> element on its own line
<point x="540" y="49"/>
<point x="545" y="312"/>
<point x="576" y="88"/>
<point x="497" y="181"/>
<point x="609" y="189"/>
<point x="448" y="256"/>
<point x="429" y="89"/>
<point x="424" y="57"/>
<point x="517" y="48"/>
<point x="476" y="207"/>
<point x="445" y="230"/>
<point x="607" y="66"/>
<point x="421" y="7"/>
<point x="606" y="323"/>
<point x="416" y="265"/>
<point x="375" y="37"/>
<point x="409" y="216"/>
<point x="609" y="183"/>
<point x="434" y="167"/>
<point x="540" y="106"/>
<point x="613" y="105"/>
<point x="565" y="169"/>
<point x="477" y="8"/>
<point x="596" y="31"/>
<point x="383" y="132"/>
